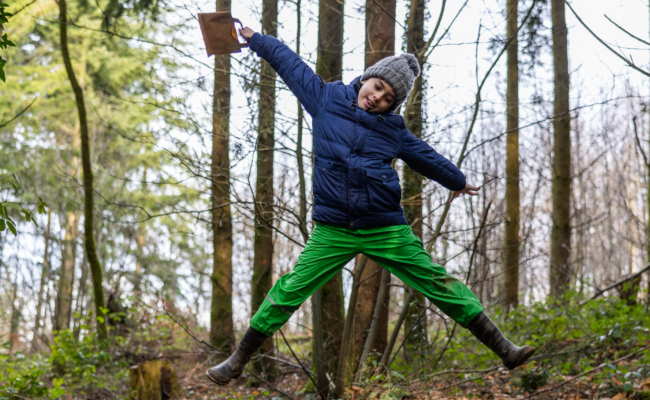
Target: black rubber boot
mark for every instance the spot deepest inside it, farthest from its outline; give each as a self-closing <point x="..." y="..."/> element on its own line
<point x="488" y="333"/>
<point x="234" y="366"/>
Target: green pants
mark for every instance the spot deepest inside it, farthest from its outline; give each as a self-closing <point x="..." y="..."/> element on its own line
<point x="395" y="248"/>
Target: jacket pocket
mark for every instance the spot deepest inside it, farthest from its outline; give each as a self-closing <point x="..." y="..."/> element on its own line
<point x="327" y="182"/>
<point x="384" y="191"/>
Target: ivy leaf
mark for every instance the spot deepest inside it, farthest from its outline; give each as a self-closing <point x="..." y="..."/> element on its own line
<point x="12" y="227"/>
<point x="2" y="69"/>
<point x="41" y="206"/>
<point x="5" y="42"/>
<point x="28" y="215"/>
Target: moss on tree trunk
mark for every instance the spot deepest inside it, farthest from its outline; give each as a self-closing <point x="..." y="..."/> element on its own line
<point x="512" y="222"/>
<point x="155" y="380"/>
<point x="221" y="322"/>
<point x="329" y="65"/>
<point x="413" y="182"/>
<point x="560" y="268"/>
<point x="261" y="281"/>
<point x="380" y="43"/>
<point x="89" y="235"/>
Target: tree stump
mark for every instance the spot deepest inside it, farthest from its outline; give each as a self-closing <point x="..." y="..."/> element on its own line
<point x="155" y="380"/>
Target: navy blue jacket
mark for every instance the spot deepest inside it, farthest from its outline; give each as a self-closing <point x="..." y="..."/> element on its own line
<point x="354" y="184"/>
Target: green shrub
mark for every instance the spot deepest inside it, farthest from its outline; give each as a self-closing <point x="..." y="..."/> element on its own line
<point x="641" y="395"/>
<point x="75" y="367"/>
<point x="533" y="379"/>
<point x="23" y="376"/>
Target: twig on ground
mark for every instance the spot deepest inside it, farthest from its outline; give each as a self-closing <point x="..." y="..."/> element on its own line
<point x="250" y="371"/>
<point x="559" y="385"/>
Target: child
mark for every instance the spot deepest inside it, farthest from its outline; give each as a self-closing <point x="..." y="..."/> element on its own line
<point x="357" y="199"/>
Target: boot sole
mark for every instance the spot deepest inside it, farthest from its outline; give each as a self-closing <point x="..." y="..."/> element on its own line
<point x="216" y="382"/>
<point x="526" y="354"/>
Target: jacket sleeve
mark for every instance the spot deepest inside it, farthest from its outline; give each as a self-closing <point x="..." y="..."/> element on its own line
<point x="423" y="159"/>
<point x="301" y="79"/>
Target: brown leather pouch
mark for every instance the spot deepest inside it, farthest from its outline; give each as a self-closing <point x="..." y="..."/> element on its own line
<point x="219" y="33"/>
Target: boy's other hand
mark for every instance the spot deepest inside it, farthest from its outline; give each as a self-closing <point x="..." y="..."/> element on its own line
<point x="469" y="189"/>
<point x="246" y="33"/>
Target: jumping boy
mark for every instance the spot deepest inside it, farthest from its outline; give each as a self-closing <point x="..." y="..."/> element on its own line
<point x="357" y="199"/>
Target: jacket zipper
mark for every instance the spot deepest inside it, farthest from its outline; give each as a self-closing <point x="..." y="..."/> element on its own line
<point x="356" y="126"/>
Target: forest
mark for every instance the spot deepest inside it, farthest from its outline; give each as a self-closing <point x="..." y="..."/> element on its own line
<point x="151" y="196"/>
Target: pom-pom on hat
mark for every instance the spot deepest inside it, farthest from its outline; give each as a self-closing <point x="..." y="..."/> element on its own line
<point x="399" y="71"/>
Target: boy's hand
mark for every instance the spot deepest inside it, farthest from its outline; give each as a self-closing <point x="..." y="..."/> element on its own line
<point x="469" y="189"/>
<point x="246" y="33"/>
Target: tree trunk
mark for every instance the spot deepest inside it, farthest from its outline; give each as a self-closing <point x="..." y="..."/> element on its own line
<point x="2" y="242"/>
<point x="81" y="294"/>
<point x="412" y="185"/>
<point x="342" y="371"/>
<point x="333" y="319"/>
<point x="560" y="268"/>
<point x="155" y="380"/>
<point x="63" y="304"/>
<point x="647" y="245"/>
<point x="45" y="273"/>
<point x="380" y="43"/>
<point x="374" y="324"/>
<point x="512" y="220"/>
<point x="89" y="241"/>
<point x="16" y="312"/>
<point x="368" y="292"/>
<point x="329" y="65"/>
<point x="261" y="281"/>
<point x="329" y="61"/>
<point x="380" y="30"/>
<point x="139" y="242"/>
<point x="221" y="322"/>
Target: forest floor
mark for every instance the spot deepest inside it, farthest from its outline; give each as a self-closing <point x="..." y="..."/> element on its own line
<point x="600" y="350"/>
<point x="497" y="384"/>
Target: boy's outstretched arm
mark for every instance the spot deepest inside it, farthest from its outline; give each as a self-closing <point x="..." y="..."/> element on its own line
<point x="301" y="79"/>
<point x="424" y="160"/>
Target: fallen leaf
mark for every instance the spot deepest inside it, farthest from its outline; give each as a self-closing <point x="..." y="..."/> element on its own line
<point x="620" y="396"/>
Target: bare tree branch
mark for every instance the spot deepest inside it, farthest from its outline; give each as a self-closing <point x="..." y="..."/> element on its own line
<point x="3" y="124"/>
<point x="628" y="62"/>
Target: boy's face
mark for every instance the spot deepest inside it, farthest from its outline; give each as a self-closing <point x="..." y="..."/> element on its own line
<point x="376" y="95"/>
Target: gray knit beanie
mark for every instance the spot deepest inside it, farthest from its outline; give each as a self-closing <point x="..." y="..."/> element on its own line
<point x="399" y="71"/>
